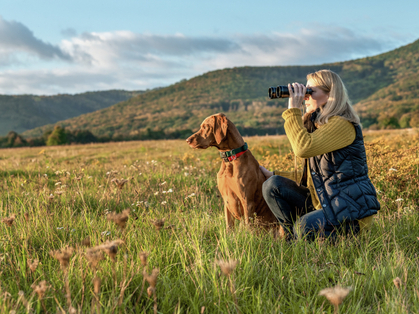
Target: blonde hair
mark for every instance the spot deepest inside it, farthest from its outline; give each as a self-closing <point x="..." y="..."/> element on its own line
<point x="338" y="103"/>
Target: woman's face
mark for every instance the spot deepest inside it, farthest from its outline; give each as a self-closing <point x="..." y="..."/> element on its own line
<point x="317" y="99"/>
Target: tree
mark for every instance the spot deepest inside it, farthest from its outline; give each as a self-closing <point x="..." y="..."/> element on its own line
<point x="57" y="137"/>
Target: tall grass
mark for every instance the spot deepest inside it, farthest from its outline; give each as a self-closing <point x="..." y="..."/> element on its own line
<point x="157" y="242"/>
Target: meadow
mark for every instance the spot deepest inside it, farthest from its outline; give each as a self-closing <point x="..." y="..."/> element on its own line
<point x="138" y="227"/>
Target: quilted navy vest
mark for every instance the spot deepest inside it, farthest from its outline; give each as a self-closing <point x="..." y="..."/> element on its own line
<point x="342" y="183"/>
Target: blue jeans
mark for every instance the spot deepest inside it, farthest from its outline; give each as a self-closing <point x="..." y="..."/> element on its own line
<point x="292" y="206"/>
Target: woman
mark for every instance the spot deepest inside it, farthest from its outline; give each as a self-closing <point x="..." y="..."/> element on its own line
<point x="335" y="193"/>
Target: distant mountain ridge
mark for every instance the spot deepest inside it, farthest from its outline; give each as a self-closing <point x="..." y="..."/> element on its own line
<point x="24" y="112"/>
<point x="384" y="89"/>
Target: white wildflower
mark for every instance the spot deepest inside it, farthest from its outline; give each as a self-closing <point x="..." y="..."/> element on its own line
<point x="156" y="193"/>
<point x="399" y="200"/>
<point x="164" y="203"/>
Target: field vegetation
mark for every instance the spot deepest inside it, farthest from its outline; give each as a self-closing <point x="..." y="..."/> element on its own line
<point x="138" y="227"/>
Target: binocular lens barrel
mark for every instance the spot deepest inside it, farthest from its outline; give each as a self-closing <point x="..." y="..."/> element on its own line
<point x="282" y="91"/>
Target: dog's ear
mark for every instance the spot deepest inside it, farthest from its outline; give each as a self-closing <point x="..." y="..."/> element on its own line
<point x="220" y="127"/>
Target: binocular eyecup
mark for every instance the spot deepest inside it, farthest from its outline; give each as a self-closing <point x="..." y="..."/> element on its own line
<point x="282" y="91"/>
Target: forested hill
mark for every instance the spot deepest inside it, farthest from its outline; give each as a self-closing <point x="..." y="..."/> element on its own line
<point x="384" y="89"/>
<point x="23" y="112"/>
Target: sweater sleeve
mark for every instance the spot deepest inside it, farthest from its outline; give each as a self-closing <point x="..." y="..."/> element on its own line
<point x="335" y="134"/>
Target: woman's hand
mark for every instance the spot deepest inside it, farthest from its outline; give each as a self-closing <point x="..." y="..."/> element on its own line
<point x="266" y="172"/>
<point x="297" y="96"/>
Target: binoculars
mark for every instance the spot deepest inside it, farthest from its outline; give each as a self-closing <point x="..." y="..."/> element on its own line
<point x="282" y="91"/>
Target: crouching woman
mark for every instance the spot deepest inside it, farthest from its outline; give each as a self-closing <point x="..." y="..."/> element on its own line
<point x="335" y="194"/>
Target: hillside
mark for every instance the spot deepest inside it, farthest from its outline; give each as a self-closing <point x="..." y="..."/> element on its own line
<point x="384" y="89"/>
<point x="25" y="112"/>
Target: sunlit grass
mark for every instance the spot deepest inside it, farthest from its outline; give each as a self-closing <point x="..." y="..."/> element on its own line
<point x="144" y="224"/>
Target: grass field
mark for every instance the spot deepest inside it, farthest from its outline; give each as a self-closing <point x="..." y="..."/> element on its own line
<point x="137" y="227"/>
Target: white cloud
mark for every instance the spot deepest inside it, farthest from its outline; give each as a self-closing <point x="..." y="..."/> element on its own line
<point x="128" y="60"/>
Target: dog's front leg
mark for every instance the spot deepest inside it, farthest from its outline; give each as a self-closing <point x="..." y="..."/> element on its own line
<point x="228" y="216"/>
<point x="248" y="210"/>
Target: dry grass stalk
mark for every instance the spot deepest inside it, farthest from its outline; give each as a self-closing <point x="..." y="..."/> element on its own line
<point x="119" y="183"/>
<point x="120" y="219"/>
<point x="397" y="282"/>
<point x="158" y="223"/>
<point x="33" y="264"/>
<point x="9" y="220"/>
<point x="63" y="256"/>
<point x="227" y="268"/>
<point x="23" y="300"/>
<point x="335" y="295"/>
<point x="96" y="289"/>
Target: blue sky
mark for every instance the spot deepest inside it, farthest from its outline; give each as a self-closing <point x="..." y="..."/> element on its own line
<point x="52" y="46"/>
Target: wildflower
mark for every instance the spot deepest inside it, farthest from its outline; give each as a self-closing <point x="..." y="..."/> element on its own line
<point x="33" y="264"/>
<point x="335" y="295"/>
<point x="397" y="282"/>
<point x="58" y="183"/>
<point x="164" y="203"/>
<point x="9" y="220"/>
<point x="105" y="233"/>
<point x="156" y="193"/>
<point x="40" y="289"/>
<point x="119" y="183"/>
<point x="392" y="169"/>
<point x="86" y="242"/>
<point x="120" y="219"/>
<point x="227" y="267"/>
<point x="399" y="200"/>
<point x="63" y="256"/>
<point x="186" y="174"/>
<point x="143" y="258"/>
<point x="152" y="278"/>
<point x="158" y="223"/>
<point x="170" y="191"/>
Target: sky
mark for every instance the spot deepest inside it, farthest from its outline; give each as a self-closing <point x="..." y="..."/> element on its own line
<point x="52" y="47"/>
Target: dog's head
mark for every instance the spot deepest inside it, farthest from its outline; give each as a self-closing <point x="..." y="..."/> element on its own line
<point x="212" y="132"/>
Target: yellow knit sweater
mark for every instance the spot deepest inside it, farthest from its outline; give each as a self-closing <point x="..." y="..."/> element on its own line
<point x="337" y="133"/>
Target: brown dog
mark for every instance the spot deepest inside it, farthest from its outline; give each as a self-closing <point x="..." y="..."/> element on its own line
<point x="239" y="180"/>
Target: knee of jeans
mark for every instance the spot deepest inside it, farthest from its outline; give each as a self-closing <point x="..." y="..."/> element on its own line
<point x="268" y="187"/>
<point x="303" y="227"/>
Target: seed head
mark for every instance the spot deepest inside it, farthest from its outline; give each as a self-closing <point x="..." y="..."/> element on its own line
<point x="335" y="295"/>
<point x="152" y="279"/>
<point x="143" y="258"/>
<point x="9" y="220"/>
<point x="111" y="248"/>
<point x="397" y="282"/>
<point x="40" y="289"/>
<point x="94" y="256"/>
<point x="63" y="256"/>
<point x="227" y="267"/>
<point x="120" y="219"/>
<point x="158" y="223"/>
<point x="33" y="264"/>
